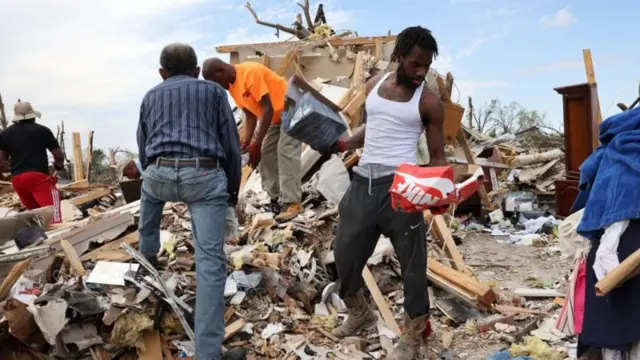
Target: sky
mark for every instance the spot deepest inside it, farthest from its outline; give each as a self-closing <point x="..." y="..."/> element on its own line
<point x="89" y="63"/>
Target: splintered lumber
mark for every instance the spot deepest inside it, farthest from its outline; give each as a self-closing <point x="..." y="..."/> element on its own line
<point x="77" y="269"/>
<point x="460" y="294"/>
<point x="111" y="251"/>
<point x="591" y="80"/>
<point x="78" y="169"/>
<point x="13" y="276"/>
<point x="627" y="269"/>
<point x="484" y="293"/>
<point x="482" y="191"/>
<point x="152" y="346"/>
<point x="89" y="155"/>
<point x="440" y="231"/>
<point x="387" y="315"/>
<point x="88" y="197"/>
<point x="537" y="158"/>
<point x="233" y="328"/>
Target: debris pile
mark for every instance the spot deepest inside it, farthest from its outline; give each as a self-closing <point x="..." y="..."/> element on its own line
<point x="83" y="290"/>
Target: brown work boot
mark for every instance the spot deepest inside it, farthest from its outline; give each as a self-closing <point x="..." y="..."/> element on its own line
<point x="290" y="212"/>
<point x="360" y="316"/>
<point x="408" y="346"/>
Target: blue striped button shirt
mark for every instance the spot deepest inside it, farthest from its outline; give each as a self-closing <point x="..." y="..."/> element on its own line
<point x="184" y="117"/>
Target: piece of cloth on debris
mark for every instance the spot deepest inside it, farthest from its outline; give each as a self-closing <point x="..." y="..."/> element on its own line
<point x="612" y="321"/>
<point x="573" y="244"/>
<point x="607" y="253"/>
<point x="572" y="314"/>
<point x="609" y="177"/>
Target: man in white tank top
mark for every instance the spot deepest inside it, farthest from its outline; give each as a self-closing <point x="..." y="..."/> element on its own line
<point x="399" y="108"/>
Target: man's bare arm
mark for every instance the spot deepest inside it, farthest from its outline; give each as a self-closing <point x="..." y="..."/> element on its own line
<point x="249" y="126"/>
<point x="356" y="140"/>
<point x="5" y="165"/>
<point x="58" y="158"/>
<point x="432" y="112"/>
<point x="267" y="116"/>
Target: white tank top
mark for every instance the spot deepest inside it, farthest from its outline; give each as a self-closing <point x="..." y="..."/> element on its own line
<point x="392" y="129"/>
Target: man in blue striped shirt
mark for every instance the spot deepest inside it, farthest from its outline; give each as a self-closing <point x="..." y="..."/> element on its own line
<point x="190" y="152"/>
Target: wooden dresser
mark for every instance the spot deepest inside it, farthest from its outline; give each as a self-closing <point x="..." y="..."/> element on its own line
<point x="581" y="133"/>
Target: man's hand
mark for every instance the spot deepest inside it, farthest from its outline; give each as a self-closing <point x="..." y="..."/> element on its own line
<point x="244" y="146"/>
<point x="255" y="153"/>
<point x="338" y="147"/>
<point x="231" y="225"/>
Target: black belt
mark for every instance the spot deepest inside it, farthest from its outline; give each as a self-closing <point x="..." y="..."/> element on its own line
<point x="201" y="163"/>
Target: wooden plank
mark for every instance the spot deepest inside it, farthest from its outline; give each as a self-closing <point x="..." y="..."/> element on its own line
<point x="440" y="230"/>
<point x="111" y="251"/>
<point x="232" y="329"/>
<point x="460" y="294"/>
<point x="152" y="346"/>
<point x="358" y="77"/>
<point x="349" y="41"/>
<point x="378" y="48"/>
<point x="88" y="197"/>
<point x="482" y="191"/>
<point x="234" y="58"/>
<point x="74" y="260"/>
<point x="591" y="80"/>
<point x="483" y="292"/>
<point x="386" y="313"/>
<point x="78" y="169"/>
<point x="13" y="276"/>
<point x="265" y="60"/>
<point x="89" y="155"/>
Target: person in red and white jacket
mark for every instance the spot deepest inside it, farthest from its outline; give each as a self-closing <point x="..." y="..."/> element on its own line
<point x="24" y="146"/>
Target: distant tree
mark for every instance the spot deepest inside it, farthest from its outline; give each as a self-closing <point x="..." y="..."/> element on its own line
<point x="484" y="116"/>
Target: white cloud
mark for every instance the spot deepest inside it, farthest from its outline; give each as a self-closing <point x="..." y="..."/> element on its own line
<point x="90" y="62"/>
<point x="561" y="18"/>
<point x="477" y="44"/>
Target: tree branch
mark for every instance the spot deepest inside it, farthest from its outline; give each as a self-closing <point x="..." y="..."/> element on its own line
<point x="307" y="15"/>
<point x="279" y="27"/>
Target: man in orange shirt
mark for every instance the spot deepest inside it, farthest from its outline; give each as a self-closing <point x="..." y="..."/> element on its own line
<point x="260" y="93"/>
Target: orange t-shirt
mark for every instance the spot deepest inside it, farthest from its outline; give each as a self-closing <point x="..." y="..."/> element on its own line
<point x="253" y="81"/>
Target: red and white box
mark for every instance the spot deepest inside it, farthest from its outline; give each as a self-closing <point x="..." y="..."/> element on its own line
<point x="416" y="189"/>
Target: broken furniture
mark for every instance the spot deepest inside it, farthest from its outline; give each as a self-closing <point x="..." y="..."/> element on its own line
<point x="581" y="139"/>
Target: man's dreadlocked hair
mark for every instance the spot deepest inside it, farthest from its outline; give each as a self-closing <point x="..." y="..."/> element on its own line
<point x="414" y="36"/>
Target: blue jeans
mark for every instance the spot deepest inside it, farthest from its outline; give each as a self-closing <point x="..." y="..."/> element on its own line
<point x="205" y="193"/>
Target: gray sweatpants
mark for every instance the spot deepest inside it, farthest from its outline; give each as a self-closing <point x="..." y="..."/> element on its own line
<point x="365" y="214"/>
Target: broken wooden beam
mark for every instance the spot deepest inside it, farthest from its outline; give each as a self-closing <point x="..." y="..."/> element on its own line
<point x="440" y="231"/>
<point x="381" y="303"/>
<point x="484" y="293"/>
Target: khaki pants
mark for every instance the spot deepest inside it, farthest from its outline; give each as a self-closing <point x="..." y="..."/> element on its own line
<point x="281" y="166"/>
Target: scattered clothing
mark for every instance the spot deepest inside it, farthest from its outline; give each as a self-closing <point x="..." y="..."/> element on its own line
<point x="607" y="253"/>
<point x="187" y="118"/>
<point x="611" y="321"/>
<point x="253" y="81"/>
<point x="610" y="176"/>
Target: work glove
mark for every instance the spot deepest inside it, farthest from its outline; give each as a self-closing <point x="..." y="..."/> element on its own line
<point x="338" y="147"/>
<point x="255" y="153"/>
<point x="230" y="225"/>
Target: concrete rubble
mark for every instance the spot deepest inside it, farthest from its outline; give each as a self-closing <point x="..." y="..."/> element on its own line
<point x="498" y="276"/>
